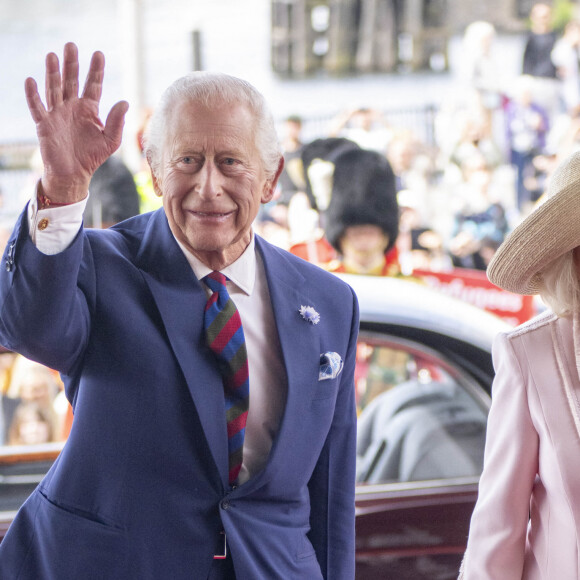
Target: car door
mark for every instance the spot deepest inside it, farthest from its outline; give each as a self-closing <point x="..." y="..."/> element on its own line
<point x="420" y="444"/>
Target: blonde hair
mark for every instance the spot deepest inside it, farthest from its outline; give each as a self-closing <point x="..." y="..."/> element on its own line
<point x="475" y="36"/>
<point x="559" y="285"/>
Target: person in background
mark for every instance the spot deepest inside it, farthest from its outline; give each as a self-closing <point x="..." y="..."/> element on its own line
<point x="291" y="179"/>
<point x="480" y="70"/>
<point x="537" y="61"/>
<point x="274" y="215"/>
<point x="565" y="56"/>
<point x="479" y="217"/>
<point x="475" y="138"/>
<point x="31" y="425"/>
<point x="306" y="212"/>
<point x="148" y="199"/>
<point x="34" y="385"/>
<point x="114" y="195"/>
<point x="367" y="127"/>
<point x="419" y="245"/>
<point x="362" y="219"/>
<point x="7" y="405"/>
<point x="211" y="373"/>
<point x="524" y="524"/>
<point x="527" y="126"/>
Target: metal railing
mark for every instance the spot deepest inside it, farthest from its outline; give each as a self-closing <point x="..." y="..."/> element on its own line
<point x="419" y="120"/>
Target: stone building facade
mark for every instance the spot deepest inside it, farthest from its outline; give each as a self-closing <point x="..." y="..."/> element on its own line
<point x="346" y="36"/>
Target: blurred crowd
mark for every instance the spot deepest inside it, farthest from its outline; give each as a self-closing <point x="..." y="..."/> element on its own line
<point x="34" y="407"/>
<point x="497" y="139"/>
<point x="369" y="197"/>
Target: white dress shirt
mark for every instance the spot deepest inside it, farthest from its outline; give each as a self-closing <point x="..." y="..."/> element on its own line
<point x="53" y="230"/>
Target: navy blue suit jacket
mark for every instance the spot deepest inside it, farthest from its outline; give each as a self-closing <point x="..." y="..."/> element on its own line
<point x="140" y="489"/>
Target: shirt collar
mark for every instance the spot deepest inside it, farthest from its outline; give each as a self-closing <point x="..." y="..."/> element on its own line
<point x="242" y="272"/>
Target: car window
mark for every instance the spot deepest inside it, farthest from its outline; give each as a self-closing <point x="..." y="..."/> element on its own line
<point x="420" y="417"/>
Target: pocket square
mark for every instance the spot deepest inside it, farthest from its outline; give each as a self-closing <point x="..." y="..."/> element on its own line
<point x="330" y="366"/>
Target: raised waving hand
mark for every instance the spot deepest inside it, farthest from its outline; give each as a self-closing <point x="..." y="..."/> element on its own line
<point x="73" y="140"/>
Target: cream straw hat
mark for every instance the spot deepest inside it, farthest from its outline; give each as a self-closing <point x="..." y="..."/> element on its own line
<point x="549" y="231"/>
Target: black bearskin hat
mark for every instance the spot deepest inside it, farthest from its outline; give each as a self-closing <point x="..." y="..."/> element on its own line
<point x="325" y="149"/>
<point x="363" y="193"/>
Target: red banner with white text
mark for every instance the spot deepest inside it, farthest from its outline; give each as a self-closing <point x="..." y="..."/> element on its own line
<point x="473" y="286"/>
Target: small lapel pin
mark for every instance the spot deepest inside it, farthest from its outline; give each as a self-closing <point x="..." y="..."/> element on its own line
<point x="309" y="314"/>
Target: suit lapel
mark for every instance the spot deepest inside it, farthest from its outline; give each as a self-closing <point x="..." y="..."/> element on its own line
<point x="300" y="345"/>
<point x="567" y="442"/>
<point x="181" y="299"/>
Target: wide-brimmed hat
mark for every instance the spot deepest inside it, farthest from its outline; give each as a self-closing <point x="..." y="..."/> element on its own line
<point x="548" y="232"/>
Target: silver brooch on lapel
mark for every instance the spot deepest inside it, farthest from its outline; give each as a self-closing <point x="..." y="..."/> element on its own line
<point x="309" y="314"/>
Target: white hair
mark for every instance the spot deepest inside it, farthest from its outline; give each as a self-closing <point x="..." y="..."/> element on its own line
<point x="210" y="90"/>
<point x="559" y="285"/>
<point x="477" y="33"/>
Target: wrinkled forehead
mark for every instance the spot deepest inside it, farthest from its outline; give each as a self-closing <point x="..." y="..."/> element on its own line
<point x="210" y="126"/>
<point x="225" y="110"/>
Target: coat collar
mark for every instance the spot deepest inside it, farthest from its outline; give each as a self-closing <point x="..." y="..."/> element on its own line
<point x="242" y="272"/>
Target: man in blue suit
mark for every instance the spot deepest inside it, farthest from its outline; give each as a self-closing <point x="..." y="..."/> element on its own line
<point x="141" y="489"/>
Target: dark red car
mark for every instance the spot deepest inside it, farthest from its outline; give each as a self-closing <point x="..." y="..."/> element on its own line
<point x="423" y="380"/>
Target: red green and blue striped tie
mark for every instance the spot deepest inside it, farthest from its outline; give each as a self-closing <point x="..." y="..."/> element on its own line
<point x="225" y="337"/>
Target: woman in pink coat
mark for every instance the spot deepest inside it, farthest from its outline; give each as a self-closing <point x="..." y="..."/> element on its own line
<point x="526" y="522"/>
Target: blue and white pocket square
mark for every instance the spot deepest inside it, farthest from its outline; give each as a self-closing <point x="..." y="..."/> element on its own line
<point x="330" y="366"/>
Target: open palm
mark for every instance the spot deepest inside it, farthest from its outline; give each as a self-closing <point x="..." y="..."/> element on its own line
<point x="73" y="140"/>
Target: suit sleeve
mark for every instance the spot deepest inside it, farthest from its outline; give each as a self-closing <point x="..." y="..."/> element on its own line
<point x="332" y="484"/>
<point x="43" y="313"/>
<point x="497" y="535"/>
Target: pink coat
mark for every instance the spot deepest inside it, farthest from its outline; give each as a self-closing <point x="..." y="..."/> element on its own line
<point x="526" y="522"/>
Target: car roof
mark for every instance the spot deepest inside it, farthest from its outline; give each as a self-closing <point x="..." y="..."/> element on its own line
<point x="405" y="302"/>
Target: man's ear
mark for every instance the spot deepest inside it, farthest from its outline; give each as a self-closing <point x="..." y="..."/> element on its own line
<point x="156" y="185"/>
<point x="155" y="180"/>
<point x="270" y="186"/>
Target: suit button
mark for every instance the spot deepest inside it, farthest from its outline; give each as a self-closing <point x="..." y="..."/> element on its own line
<point x="43" y="224"/>
<point x="225" y="504"/>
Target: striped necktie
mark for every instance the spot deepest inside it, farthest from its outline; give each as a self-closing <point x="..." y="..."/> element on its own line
<point x="225" y="337"/>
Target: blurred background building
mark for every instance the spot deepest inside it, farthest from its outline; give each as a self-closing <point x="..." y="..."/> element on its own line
<point x="311" y="58"/>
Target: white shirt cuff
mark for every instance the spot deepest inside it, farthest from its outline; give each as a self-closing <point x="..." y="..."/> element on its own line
<point x="52" y="230"/>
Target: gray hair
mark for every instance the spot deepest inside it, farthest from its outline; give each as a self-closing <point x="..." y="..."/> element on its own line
<point x="211" y="89"/>
<point x="559" y="285"/>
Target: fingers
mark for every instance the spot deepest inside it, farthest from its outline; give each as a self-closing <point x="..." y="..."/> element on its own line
<point x="94" y="83"/>
<point x="67" y="87"/>
<point x="33" y="100"/>
<point x="115" y="121"/>
<point x="59" y="89"/>
<point x="70" y="71"/>
<point x="53" y="87"/>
